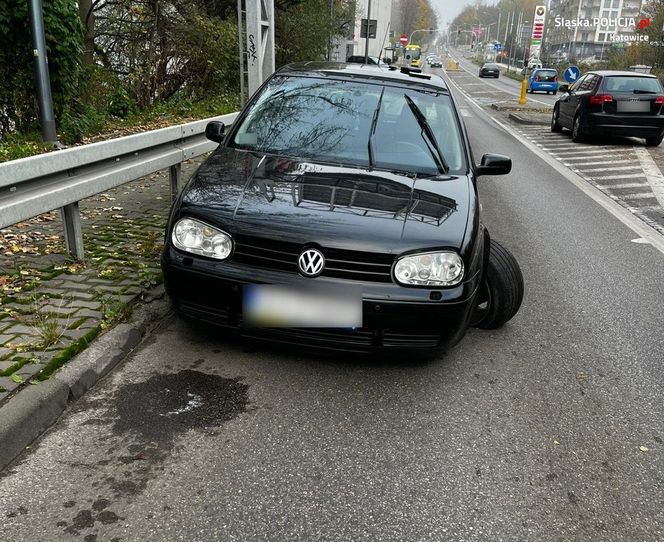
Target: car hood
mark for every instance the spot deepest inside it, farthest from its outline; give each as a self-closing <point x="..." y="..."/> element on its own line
<point x="252" y="194"/>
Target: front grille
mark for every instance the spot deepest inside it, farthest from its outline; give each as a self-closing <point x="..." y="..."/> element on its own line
<point x="343" y="264"/>
<point x="413" y="339"/>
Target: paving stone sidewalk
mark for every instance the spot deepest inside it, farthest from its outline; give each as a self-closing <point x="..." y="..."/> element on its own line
<point x="51" y="307"/>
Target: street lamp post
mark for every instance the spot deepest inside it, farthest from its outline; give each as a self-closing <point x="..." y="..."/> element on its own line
<point x="410" y="39"/>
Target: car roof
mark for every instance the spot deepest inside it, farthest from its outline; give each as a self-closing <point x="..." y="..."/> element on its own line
<point x="367" y="72"/>
<point x="609" y="73"/>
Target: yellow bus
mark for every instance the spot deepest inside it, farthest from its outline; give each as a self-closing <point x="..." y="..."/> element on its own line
<point x="413" y="53"/>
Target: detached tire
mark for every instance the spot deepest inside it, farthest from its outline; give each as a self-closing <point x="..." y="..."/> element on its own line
<point x="502" y="291"/>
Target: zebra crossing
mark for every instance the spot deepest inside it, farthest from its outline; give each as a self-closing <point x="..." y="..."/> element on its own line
<point x="624" y="172"/>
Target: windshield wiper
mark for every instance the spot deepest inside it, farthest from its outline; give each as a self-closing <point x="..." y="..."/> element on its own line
<point x="432" y="144"/>
<point x="372" y="129"/>
<point x="639" y="91"/>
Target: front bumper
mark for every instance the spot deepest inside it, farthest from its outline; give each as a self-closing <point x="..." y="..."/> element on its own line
<point x="625" y="125"/>
<point x="396" y="319"/>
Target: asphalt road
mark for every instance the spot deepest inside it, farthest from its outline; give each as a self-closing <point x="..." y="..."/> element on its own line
<point x="503" y="83"/>
<point x="551" y="428"/>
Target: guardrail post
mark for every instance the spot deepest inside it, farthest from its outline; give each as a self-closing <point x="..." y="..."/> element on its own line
<point x="176" y="175"/>
<point x="71" y="218"/>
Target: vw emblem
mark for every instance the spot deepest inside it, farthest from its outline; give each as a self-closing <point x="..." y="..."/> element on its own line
<point x="311" y="262"/>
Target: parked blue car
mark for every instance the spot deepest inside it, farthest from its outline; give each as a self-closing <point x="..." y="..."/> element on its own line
<point x="543" y="80"/>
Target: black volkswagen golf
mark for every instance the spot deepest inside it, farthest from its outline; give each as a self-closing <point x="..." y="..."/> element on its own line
<point x="340" y="212"/>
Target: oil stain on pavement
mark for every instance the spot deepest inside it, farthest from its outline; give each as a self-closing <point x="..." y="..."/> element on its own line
<point x="147" y="418"/>
<point x="168" y="404"/>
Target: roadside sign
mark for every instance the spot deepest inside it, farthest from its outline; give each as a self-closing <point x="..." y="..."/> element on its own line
<point x="497" y="46"/>
<point x="403" y="39"/>
<point x="571" y="74"/>
<point x="371" y="25"/>
<point x="538" y="29"/>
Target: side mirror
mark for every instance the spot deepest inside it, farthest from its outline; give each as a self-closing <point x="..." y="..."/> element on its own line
<point x="214" y="131"/>
<point x="494" y="164"/>
<point x="563" y="88"/>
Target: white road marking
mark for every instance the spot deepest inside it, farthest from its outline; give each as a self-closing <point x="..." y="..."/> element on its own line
<point x="653" y="174"/>
<point x="592" y="170"/>
<point x="604" y="162"/>
<point x="622" y="176"/>
<point x="619" y="186"/>
<point x="464" y="112"/>
<point x="641" y="195"/>
<point x="641" y="241"/>
<point x="582" y="153"/>
<point x="610" y="158"/>
<point x="555" y="147"/>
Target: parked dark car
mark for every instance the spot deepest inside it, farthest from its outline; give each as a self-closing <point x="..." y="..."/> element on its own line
<point x="490" y="70"/>
<point x="615" y="103"/>
<point x="340" y="212"/>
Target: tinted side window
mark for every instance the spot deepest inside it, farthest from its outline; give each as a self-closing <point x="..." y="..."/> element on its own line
<point x="577" y="85"/>
<point x="588" y="82"/>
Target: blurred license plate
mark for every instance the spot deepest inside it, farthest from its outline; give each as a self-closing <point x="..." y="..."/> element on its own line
<point x="284" y="306"/>
<point x="633" y="106"/>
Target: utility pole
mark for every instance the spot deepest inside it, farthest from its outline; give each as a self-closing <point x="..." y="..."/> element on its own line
<point x="366" y="46"/>
<point x="46" y="116"/>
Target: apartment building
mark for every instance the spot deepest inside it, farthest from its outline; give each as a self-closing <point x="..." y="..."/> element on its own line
<point x="587" y="29"/>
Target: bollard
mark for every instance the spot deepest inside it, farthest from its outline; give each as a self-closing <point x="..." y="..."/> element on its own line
<point x="522" y="98"/>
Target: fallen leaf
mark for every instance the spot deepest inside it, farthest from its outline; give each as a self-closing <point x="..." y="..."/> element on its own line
<point x="644" y="448"/>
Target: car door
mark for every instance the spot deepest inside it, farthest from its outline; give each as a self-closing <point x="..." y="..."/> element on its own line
<point x="568" y="102"/>
<point x="580" y="95"/>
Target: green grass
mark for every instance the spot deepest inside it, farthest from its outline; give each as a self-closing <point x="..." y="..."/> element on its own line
<point x="66" y="354"/>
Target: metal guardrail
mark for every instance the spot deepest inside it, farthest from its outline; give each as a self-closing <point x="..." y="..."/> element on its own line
<point x="60" y="179"/>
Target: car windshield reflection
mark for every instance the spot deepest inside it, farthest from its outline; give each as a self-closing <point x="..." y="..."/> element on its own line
<point x="330" y="121"/>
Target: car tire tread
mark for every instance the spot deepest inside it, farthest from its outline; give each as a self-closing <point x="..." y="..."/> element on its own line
<point x="578" y="135"/>
<point x="556" y="127"/>
<point x="654" y="141"/>
<point x="505" y="283"/>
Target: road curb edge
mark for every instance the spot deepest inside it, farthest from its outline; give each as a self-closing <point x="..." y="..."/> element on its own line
<point x="36" y="407"/>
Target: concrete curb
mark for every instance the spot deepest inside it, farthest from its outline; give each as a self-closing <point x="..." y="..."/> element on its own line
<point x="522" y="120"/>
<point x="502" y="106"/>
<point x="36" y="407"/>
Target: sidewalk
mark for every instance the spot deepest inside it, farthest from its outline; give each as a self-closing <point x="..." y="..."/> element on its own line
<point x="52" y="307"/>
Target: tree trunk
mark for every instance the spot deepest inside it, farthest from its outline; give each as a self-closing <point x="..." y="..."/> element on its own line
<point x="87" y="16"/>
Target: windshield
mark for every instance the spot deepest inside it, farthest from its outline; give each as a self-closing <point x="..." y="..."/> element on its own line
<point x="330" y="121"/>
<point x="626" y="83"/>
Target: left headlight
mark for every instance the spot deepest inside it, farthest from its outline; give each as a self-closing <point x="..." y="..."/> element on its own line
<point x="429" y="269"/>
<point x="197" y="237"/>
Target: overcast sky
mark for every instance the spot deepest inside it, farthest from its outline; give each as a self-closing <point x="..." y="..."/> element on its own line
<point x="448" y="9"/>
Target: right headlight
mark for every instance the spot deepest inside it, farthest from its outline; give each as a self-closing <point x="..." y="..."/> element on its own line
<point x="429" y="269"/>
<point x="197" y="237"/>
